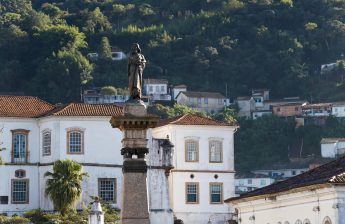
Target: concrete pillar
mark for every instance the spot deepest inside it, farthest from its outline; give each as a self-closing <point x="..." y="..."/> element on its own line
<point x="134" y="123"/>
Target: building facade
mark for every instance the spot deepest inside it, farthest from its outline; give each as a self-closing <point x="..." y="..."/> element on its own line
<point x="203" y="173"/>
<point x="210" y="102"/>
<point x="35" y="134"/>
<point x="156" y="89"/>
<point x="314" y="197"/>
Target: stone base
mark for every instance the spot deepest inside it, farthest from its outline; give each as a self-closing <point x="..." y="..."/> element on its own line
<point x="134" y="195"/>
<point x="135" y="108"/>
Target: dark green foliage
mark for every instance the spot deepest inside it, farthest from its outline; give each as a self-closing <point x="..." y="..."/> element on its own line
<point x="276" y="44"/>
<point x="271" y="139"/>
<point x="64" y="185"/>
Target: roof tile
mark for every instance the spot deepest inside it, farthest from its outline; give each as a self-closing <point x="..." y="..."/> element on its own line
<point x="23" y="106"/>
<point x="192" y="119"/>
<point x="81" y="109"/>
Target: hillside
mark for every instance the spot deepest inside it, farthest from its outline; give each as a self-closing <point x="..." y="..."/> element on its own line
<point x="206" y="44"/>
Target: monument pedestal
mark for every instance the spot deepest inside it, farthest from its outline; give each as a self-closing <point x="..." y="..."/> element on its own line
<point x="134" y="124"/>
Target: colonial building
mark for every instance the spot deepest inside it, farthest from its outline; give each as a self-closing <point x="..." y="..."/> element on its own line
<point x="156" y="89"/>
<point x="203" y="173"/>
<point x="210" y="102"/>
<point x="245" y="182"/>
<point x="36" y="133"/>
<point x="314" y="197"/>
<point x="177" y="89"/>
<point x="95" y="96"/>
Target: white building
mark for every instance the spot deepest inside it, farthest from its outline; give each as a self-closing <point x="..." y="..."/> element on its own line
<point x="338" y="109"/>
<point x="95" y="96"/>
<point x="209" y="102"/>
<point x="177" y="89"/>
<point x="332" y="147"/>
<point x="246" y="105"/>
<point x="36" y="133"/>
<point x="250" y="181"/>
<point x="314" y="197"/>
<point x="203" y="173"/>
<point x="156" y="89"/>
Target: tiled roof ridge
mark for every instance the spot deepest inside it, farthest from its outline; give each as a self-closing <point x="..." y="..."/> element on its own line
<point x="28" y="96"/>
<point x="337" y="177"/>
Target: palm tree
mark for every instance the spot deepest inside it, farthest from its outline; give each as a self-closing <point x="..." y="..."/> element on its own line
<point x="64" y="184"/>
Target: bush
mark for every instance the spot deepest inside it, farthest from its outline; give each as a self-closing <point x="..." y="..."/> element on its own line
<point x="13" y="220"/>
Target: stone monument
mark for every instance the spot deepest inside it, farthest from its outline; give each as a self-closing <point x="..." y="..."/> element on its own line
<point x="96" y="215"/>
<point x="134" y="123"/>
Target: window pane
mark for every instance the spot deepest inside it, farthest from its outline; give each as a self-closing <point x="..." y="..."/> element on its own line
<point x="192" y="150"/>
<point x="215" y="151"/>
<point x="19" y="146"/>
<point x="19" y="191"/>
<point x="46" y="143"/>
<point x="75" y="142"/>
<point x="192" y="193"/>
<point x="216" y="193"/>
<point x="107" y="189"/>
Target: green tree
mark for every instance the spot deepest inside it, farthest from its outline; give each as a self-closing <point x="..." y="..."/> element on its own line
<point x="109" y="90"/>
<point x="96" y="22"/>
<point x="64" y="185"/>
<point x="105" y="50"/>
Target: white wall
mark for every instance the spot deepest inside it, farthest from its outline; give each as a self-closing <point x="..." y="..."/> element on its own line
<point x="338" y="111"/>
<point x="255" y="182"/>
<point x="331" y="150"/>
<point x="293" y="206"/>
<point x="204" y="172"/>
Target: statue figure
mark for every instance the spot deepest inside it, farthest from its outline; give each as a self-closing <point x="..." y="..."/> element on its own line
<point x="136" y="65"/>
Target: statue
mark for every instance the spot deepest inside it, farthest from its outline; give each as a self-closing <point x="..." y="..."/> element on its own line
<point x="136" y="65"/>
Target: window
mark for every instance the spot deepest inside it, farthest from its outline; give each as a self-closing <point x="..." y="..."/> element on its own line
<point x="191" y="100"/>
<point x="249" y="181"/>
<point x="298" y="222"/>
<point x="151" y="88"/>
<point x="199" y="100"/>
<point x="20" y="146"/>
<point x="306" y="221"/>
<point x="162" y="89"/>
<point x="157" y="89"/>
<point x="263" y="182"/>
<point x="20" y="173"/>
<point x="3" y="200"/>
<point x="205" y="100"/>
<point x="296" y="108"/>
<point x="192" y="193"/>
<point x="216" y="193"/>
<point x="192" y="148"/>
<point x="293" y="172"/>
<point x="327" y="220"/>
<point x="241" y="182"/>
<point x="107" y="189"/>
<point x="20" y="191"/>
<point x="75" y="141"/>
<point x="46" y="143"/>
<point x="215" y="148"/>
<point x="220" y="101"/>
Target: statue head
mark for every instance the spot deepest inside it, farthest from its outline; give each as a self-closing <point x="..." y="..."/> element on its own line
<point x="136" y="48"/>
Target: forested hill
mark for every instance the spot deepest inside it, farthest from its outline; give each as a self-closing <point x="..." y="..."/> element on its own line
<point x="206" y="44"/>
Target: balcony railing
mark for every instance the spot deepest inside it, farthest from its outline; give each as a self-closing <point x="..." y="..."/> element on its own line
<point x="20" y="157"/>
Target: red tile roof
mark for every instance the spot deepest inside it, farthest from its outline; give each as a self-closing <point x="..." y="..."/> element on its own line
<point x="23" y="106"/>
<point x="191" y="119"/>
<point x="81" y="109"/>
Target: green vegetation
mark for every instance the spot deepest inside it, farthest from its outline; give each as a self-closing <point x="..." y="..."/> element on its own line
<point x="271" y="139"/>
<point x="276" y="44"/>
<point x="64" y="185"/>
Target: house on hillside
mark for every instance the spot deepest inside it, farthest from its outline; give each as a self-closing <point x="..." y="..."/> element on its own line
<point x="315" y="196"/>
<point x="210" y="102"/>
<point x="259" y="96"/>
<point x="317" y="110"/>
<point x="95" y="96"/>
<point x="246" y="105"/>
<point x="332" y="147"/>
<point x="175" y="90"/>
<point x="259" y="113"/>
<point x="338" y="109"/>
<point x="156" y="89"/>
<point x="287" y="110"/>
<point x="245" y="182"/>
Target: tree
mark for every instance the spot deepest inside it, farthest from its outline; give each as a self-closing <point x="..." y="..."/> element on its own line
<point x="105" y="50"/>
<point x="109" y="90"/>
<point x="64" y="185"/>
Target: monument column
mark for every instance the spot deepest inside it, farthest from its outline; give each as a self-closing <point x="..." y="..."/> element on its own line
<point x="134" y="123"/>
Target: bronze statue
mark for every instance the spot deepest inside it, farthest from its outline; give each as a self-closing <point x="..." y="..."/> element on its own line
<point x="136" y="65"/>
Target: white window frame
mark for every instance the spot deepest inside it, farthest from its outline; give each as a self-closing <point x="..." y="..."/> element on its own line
<point x="46" y="143"/>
